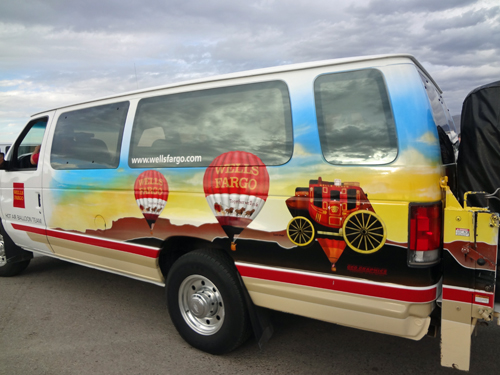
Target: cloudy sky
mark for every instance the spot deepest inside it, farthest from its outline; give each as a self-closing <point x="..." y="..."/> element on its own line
<point x="56" y="52"/>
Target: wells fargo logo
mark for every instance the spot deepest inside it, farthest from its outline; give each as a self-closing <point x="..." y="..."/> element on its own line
<point x="18" y="195"/>
<point x="151" y="185"/>
<point x="236" y="176"/>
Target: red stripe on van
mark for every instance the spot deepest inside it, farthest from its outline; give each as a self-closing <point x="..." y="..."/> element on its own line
<point x="26" y="228"/>
<point x="468" y="296"/>
<point x="92" y="241"/>
<point x="400" y="293"/>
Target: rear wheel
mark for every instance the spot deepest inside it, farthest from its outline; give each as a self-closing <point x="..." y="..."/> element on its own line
<point x="206" y="303"/>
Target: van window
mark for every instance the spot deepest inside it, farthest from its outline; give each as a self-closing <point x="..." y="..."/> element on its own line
<point x="355" y="119"/>
<point x="89" y="138"/>
<point x="29" y="144"/>
<point x="448" y="137"/>
<point x="440" y="112"/>
<point x="192" y="129"/>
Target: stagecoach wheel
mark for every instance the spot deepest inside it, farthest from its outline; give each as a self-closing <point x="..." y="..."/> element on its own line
<point x="206" y="303"/>
<point x="364" y="232"/>
<point x="300" y="231"/>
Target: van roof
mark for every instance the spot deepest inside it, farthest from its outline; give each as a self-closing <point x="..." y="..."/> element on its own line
<point x="257" y="72"/>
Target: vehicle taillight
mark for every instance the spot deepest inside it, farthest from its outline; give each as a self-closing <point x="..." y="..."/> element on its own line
<point x="425" y="234"/>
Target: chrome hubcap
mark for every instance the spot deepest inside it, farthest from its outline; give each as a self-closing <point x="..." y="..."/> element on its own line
<point x="201" y="305"/>
<point x="3" y="258"/>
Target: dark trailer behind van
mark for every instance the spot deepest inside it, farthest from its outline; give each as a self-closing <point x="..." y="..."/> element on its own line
<point x="479" y="153"/>
<point x="478" y="163"/>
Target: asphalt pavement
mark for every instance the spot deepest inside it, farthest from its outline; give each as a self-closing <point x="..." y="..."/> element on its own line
<point x="61" y="318"/>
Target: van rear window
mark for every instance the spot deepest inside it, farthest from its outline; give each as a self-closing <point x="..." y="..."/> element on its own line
<point x="355" y="119"/>
<point x="192" y="129"/>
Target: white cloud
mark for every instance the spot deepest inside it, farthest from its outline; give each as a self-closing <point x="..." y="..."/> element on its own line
<point x="57" y="52"/>
<point x="428" y="138"/>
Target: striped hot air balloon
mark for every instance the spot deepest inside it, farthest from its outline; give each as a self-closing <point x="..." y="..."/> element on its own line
<point x="151" y="194"/>
<point x="236" y="186"/>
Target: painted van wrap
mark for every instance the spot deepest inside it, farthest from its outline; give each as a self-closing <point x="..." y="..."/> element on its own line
<point x="103" y="203"/>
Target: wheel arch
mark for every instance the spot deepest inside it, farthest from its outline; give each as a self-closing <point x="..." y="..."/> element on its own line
<point x="175" y="247"/>
<point x="13" y="252"/>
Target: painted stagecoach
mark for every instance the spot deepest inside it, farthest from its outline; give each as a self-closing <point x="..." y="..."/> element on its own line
<point x="336" y="214"/>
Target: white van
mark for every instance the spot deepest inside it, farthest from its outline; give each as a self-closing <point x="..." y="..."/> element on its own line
<point x="323" y="189"/>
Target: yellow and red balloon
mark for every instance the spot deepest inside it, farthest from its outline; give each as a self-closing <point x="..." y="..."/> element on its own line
<point x="236" y="186"/>
<point x="151" y="195"/>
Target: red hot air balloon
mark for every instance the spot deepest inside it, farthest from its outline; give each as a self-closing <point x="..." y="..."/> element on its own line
<point x="151" y="194"/>
<point x="236" y="186"/>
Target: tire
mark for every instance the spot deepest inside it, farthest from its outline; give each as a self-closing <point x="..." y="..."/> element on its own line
<point x="10" y="269"/>
<point x="206" y="303"/>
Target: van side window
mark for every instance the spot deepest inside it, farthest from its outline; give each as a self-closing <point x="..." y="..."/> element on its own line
<point x="192" y="129"/>
<point x="89" y="138"/>
<point x="444" y="122"/>
<point x="355" y="119"/>
<point x="28" y="146"/>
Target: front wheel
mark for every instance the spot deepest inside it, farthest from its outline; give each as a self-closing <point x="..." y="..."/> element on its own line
<point x="10" y="269"/>
<point x="206" y="303"/>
